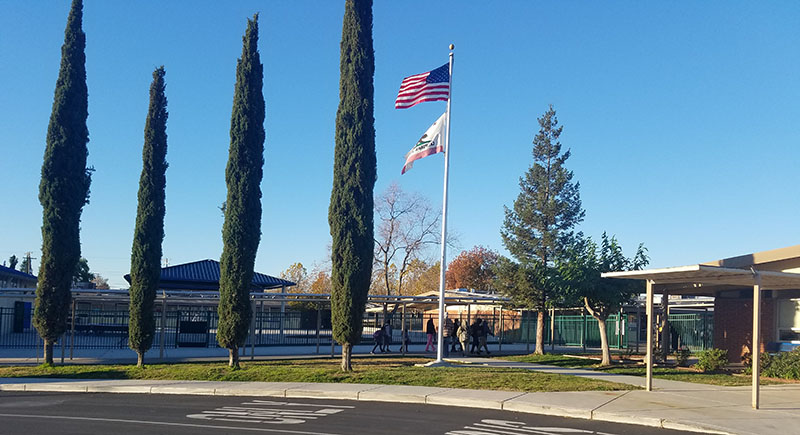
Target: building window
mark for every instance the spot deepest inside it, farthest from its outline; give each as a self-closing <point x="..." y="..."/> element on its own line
<point x="789" y="320"/>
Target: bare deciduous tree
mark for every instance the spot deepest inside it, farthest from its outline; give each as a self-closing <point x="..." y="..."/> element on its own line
<point x="407" y="226"/>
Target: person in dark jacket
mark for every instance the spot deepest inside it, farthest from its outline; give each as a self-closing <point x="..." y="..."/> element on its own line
<point x="454" y="336"/>
<point x="430" y="329"/>
<point x="378" y="337"/>
<point x="475" y="333"/>
<point x="483" y="335"/>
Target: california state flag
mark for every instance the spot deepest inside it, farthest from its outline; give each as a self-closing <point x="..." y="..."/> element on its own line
<point x="431" y="142"/>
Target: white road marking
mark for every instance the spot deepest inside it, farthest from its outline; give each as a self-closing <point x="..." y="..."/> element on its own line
<point x="164" y="423"/>
<point x="277" y="415"/>
<point x="506" y="427"/>
<point x="315" y="405"/>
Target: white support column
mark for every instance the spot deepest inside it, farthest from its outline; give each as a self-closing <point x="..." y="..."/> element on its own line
<point x="755" y="352"/>
<point x="649" y="354"/>
<point x="666" y="337"/>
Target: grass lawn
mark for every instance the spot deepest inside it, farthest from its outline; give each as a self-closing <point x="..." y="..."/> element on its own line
<point x="366" y="370"/>
<point x="673" y="374"/>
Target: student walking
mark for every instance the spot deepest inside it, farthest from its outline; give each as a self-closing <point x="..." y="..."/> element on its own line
<point x="404" y="341"/>
<point x="387" y="336"/>
<point x="447" y="336"/>
<point x="475" y="333"/>
<point x="430" y="329"/>
<point x="454" y="336"/>
<point x="484" y="333"/>
<point x="463" y="337"/>
<point x="378" y="337"/>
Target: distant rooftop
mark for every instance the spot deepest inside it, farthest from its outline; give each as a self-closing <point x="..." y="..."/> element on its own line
<point x="204" y="275"/>
<point x="7" y="271"/>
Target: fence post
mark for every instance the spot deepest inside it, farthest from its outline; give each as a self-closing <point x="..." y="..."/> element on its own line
<point x="63" y="338"/>
<point x="403" y="344"/>
<point x="638" y="324"/>
<point x="527" y="330"/>
<point x="253" y="330"/>
<point x="319" y="325"/>
<point x="502" y="328"/>
<point x="583" y="329"/>
<point x="283" y="315"/>
<point x="208" y="328"/>
<point x="177" y="326"/>
<point x="72" y="332"/>
<point x="552" y="329"/>
<point x="163" y="324"/>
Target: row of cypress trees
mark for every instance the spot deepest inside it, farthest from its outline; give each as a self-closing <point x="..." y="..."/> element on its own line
<point x="64" y="189"/>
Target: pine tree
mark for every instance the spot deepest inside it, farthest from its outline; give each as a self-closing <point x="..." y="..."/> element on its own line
<point x="539" y="227"/>
<point x="64" y="188"/>
<point x="149" y="232"/>
<point x="354" y="171"/>
<point x="241" y="231"/>
<point x="12" y="262"/>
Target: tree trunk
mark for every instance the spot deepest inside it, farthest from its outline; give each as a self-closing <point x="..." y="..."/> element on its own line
<point x="140" y="359"/>
<point x="347" y="353"/>
<point x="601" y="324"/>
<point x="539" y="333"/>
<point x="233" y="357"/>
<point x="48" y="352"/>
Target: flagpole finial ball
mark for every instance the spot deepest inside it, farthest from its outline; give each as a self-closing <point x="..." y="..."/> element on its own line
<point x="452" y="46"/>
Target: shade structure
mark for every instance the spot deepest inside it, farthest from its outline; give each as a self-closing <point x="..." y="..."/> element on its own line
<point x="705" y="279"/>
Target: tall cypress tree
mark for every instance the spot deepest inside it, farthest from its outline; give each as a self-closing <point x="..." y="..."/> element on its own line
<point x="538" y="229"/>
<point x="241" y="231"/>
<point x="64" y="188"/>
<point x="149" y="232"/>
<point x="354" y="172"/>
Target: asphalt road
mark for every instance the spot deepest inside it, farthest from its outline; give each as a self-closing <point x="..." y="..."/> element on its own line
<point x="119" y="414"/>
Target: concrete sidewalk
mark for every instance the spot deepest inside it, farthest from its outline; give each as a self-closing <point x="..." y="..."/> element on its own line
<point x="198" y="354"/>
<point x="638" y="381"/>
<point x="710" y="409"/>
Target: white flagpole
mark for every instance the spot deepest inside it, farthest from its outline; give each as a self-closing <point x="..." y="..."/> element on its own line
<point x="443" y="263"/>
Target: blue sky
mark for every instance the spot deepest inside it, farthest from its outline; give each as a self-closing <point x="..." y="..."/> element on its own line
<point x="682" y="117"/>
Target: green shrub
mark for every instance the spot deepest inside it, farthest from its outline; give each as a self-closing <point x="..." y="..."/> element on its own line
<point x="711" y="360"/>
<point x="784" y="365"/>
<point x="682" y="356"/>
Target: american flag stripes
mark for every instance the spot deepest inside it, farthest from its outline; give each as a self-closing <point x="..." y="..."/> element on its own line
<point x="429" y="86"/>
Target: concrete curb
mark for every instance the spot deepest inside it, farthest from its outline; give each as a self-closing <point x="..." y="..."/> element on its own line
<point x="502" y="400"/>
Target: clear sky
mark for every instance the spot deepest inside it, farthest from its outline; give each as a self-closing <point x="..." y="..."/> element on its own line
<point x="683" y="118"/>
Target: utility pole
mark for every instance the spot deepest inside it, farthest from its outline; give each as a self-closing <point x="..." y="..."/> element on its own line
<point x="28" y="265"/>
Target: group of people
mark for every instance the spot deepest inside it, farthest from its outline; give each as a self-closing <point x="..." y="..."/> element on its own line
<point x="460" y="335"/>
<point x="383" y="339"/>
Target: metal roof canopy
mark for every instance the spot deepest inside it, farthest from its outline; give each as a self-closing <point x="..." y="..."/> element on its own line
<point x="704" y="279"/>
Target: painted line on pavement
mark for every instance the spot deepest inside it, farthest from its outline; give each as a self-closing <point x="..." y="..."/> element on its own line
<point x="163" y="423"/>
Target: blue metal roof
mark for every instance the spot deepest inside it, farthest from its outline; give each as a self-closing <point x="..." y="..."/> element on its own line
<point x="16" y="273"/>
<point x="204" y="275"/>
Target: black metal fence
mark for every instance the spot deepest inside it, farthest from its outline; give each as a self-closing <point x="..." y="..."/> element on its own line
<point x="197" y="326"/>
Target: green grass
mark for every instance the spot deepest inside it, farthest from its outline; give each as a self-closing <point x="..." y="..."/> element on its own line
<point x="673" y="374"/>
<point x="367" y="370"/>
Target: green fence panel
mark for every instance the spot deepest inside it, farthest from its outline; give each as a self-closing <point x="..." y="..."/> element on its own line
<point x="695" y="331"/>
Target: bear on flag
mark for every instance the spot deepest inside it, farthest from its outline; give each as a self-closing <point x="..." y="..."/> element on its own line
<point x="431" y="142"/>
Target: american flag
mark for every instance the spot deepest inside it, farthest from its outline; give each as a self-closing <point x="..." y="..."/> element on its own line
<point x="429" y="86"/>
